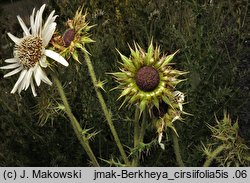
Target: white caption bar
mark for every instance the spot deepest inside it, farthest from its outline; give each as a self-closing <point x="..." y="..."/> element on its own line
<point x="131" y="175"/>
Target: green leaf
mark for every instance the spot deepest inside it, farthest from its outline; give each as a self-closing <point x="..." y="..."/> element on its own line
<point x="125" y="92"/>
<point x="127" y="62"/>
<point x="87" y="40"/>
<point x="167" y="101"/>
<point x="149" y="54"/>
<point x="156" y="102"/>
<point x="75" y="56"/>
<point x="143" y="105"/>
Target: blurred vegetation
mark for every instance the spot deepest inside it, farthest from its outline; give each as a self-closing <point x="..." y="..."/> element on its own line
<point x="226" y="139"/>
<point x="213" y="38"/>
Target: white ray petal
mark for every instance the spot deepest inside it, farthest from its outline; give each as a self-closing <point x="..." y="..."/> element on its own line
<point x="27" y="78"/>
<point x="10" y="66"/>
<point x="41" y="11"/>
<point x="39" y="20"/>
<point x="48" y="33"/>
<point x="57" y="57"/>
<point x="32" y="21"/>
<point x="25" y="29"/>
<point x="21" y="85"/>
<point x="11" y="60"/>
<point x="45" y="79"/>
<point x="13" y="72"/>
<point x="49" y="20"/>
<point x="19" y="81"/>
<point x="33" y="87"/>
<point x="36" y="24"/>
<point x="15" y="39"/>
<point x="43" y="62"/>
<point x="25" y="82"/>
<point x="40" y="75"/>
<point x="37" y="75"/>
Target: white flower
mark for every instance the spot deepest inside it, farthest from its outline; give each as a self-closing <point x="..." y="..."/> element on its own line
<point x="160" y="136"/>
<point x="30" y="52"/>
<point x="179" y="97"/>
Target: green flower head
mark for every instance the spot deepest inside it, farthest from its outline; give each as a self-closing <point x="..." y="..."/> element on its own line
<point x="147" y="79"/>
<point x="75" y="37"/>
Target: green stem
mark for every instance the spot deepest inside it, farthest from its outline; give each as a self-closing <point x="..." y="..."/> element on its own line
<point x="136" y="126"/>
<point x="136" y="135"/>
<point x="139" y="133"/>
<point x="143" y="126"/>
<point x="213" y="155"/>
<point x="75" y="124"/>
<point x="177" y="149"/>
<point x="105" y="109"/>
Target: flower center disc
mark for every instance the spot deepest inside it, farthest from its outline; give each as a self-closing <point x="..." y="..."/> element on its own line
<point x="147" y="78"/>
<point x="68" y="37"/>
<point x="29" y="51"/>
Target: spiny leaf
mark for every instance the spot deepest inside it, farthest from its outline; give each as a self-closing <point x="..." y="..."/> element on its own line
<point x="75" y="56"/>
<point x="100" y="84"/>
<point x="143" y="105"/>
<point x="124" y="92"/>
<point x="169" y="58"/>
<point x="149" y="54"/>
<point x="87" y="40"/>
<point x="127" y="62"/>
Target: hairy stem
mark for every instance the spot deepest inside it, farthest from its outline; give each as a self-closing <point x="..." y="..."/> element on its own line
<point x="143" y="126"/>
<point x="136" y="135"/>
<point x="75" y="124"/>
<point x="105" y="109"/>
<point x="213" y="155"/>
<point x="177" y="149"/>
<point x="139" y="133"/>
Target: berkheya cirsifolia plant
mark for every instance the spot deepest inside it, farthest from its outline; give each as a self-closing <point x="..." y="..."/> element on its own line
<point x="147" y="80"/>
<point x="226" y="147"/>
<point x="148" y="83"/>
<point x="30" y="58"/>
